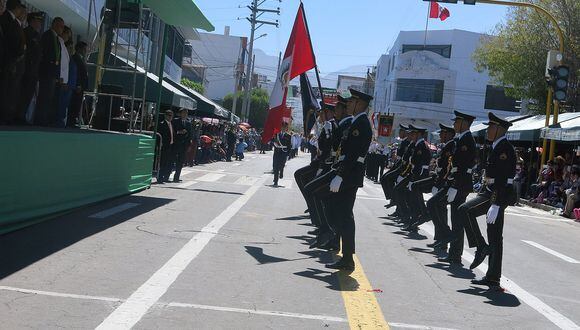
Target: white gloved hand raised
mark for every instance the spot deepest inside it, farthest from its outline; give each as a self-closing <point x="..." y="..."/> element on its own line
<point x="492" y="214"/>
<point x="318" y="172"/>
<point x="335" y="184"/>
<point x="399" y="179"/>
<point x="434" y="190"/>
<point x="451" y="193"/>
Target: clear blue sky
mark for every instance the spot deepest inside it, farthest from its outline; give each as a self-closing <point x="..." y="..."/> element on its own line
<point x="346" y="33"/>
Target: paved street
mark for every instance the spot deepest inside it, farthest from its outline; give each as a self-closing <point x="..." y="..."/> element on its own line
<point x="225" y="250"/>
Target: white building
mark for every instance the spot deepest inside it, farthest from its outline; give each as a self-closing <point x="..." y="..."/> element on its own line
<point x="214" y="59"/>
<point x="424" y="84"/>
<point x="345" y="82"/>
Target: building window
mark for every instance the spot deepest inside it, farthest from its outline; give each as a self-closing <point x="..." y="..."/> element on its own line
<point x="495" y="99"/>
<point x="443" y="50"/>
<point x="420" y="90"/>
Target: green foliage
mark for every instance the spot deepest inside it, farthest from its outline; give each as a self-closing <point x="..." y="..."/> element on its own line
<point x="516" y="57"/>
<point x="258" y="107"/>
<point x="198" y="87"/>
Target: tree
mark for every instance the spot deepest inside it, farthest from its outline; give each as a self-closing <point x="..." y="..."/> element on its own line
<point x="516" y="56"/>
<point x="258" y="107"/>
<point x="198" y="87"/>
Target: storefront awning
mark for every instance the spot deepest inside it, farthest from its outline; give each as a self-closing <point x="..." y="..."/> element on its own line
<point x="205" y="106"/>
<point x="529" y="129"/>
<point x="568" y="131"/>
<point x="180" y="13"/>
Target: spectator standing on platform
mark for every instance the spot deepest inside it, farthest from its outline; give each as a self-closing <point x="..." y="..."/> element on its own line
<point x="12" y="62"/>
<point x="165" y="129"/>
<point x="183" y="132"/>
<point x="49" y="74"/>
<point x="82" y="84"/>
<point x="33" y="56"/>
<point x="240" y="149"/>
<point x="67" y="77"/>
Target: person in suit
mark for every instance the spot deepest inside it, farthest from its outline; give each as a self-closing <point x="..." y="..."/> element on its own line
<point x="49" y="74"/>
<point x="165" y="129"/>
<point x="497" y="194"/>
<point x="68" y="77"/>
<point x="349" y="176"/>
<point x="13" y="61"/>
<point x="82" y="83"/>
<point x="32" y="62"/>
<point x="460" y="186"/>
<point x="282" y="145"/>
<point x="183" y="133"/>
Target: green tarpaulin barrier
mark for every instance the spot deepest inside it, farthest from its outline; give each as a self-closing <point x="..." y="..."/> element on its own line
<point x="47" y="172"/>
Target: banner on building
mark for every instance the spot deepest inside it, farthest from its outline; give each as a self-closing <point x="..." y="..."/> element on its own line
<point x="386" y="125"/>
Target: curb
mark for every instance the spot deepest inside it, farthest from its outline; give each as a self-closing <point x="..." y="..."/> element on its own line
<point x="544" y="207"/>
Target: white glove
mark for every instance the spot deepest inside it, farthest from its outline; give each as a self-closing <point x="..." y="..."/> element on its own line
<point x="335" y="184"/>
<point x="327" y="128"/>
<point x="434" y="190"/>
<point x="410" y="186"/>
<point x="318" y="172"/>
<point x="492" y="214"/>
<point x="451" y="193"/>
<point x="399" y="179"/>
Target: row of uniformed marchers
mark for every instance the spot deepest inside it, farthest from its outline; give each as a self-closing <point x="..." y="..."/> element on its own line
<point x="329" y="184"/>
<point x="451" y="183"/>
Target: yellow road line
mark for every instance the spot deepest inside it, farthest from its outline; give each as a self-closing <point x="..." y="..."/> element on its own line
<point x="361" y="305"/>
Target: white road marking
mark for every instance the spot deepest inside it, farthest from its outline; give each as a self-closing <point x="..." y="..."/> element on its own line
<point x="114" y="210"/>
<point x="261" y="312"/>
<point x="361" y="192"/>
<point x="246" y="180"/>
<point x="210" y="177"/>
<point x="132" y="310"/>
<point x="286" y="183"/>
<point x="548" y="312"/>
<point x="212" y="308"/>
<point x="547" y="217"/>
<point x="552" y="252"/>
<point x="187" y="184"/>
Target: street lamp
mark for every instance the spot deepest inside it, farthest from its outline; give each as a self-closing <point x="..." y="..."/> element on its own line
<point x="263" y="35"/>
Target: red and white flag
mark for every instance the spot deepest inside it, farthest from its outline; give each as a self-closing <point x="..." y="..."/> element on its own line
<point x="298" y="58"/>
<point x="437" y="11"/>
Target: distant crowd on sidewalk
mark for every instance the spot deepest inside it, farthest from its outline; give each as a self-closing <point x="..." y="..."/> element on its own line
<point x="43" y="74"/>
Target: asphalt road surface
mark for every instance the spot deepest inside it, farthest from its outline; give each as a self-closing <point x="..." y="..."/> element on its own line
<point x="226" y="250"/>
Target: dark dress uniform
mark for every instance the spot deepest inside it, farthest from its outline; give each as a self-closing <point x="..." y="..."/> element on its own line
<point x="49" y="75"/>
<point x="460" y="178"/>
<point x="281" y="154"/>
<point x="181" y="141"/>
<point x="437" y="204"/>
<point x="420" y="161"/>
<point x="499" y="192"/>
<point x="32" y="62"/>
<point x="388" y="179"/>
<point x="11" y="67"/>
<point x="401" y="182"/>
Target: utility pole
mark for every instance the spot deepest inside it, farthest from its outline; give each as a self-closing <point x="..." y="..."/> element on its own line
<point x="255" y="25"/>
<point x="237" y="81"/>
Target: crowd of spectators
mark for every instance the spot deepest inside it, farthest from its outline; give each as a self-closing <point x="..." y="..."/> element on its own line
<point x="43" y="74"/>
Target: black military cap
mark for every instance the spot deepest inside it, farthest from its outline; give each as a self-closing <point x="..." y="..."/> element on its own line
<point x="359" y="95"/>
<point x="35" y="16"/>
<point x="495" y="120"/>
<point x="403" y="127"/>
<point x="414" y="128"/>
<point x="447" y="128"/>
<point x="464" y="116"/>
<point x="328" y="106"/>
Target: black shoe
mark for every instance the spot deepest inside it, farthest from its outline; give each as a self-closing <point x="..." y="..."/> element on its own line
<point x="342" y="265"/>
<point x="446" y="240"/>
<point x="313" y="232"/>
<point x="450" y="260"/>
<point x="176" y="181"/>
<point x="410" y="228"/>
<point x="307" y="211"/>
<point x="432" y="245"/>
<point x="485" y="281"/>
<point x="390" y="205"/>
<point x="394" y="215"/>
<point x="480" y="255"/>
<point x="315" y="244"/>
<point x="331" y="246"/>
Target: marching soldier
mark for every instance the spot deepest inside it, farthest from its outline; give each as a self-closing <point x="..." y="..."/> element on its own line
<point x="401" y="213"/>
<point x="437" y="204"/>
<point x="282" y="146"/>
<point x="389" y="178"/>
<point x="420" y="160"/>
<point x="497" y="194"/>
<point x="349" y="176"/>
<point x="460" y="185"/>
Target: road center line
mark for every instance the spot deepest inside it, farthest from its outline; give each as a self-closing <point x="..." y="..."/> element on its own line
<point x="548" y="312"/>
<point x="552" y="252"/>
<point x="114" y="210"/>
<point x="132" y="310"/>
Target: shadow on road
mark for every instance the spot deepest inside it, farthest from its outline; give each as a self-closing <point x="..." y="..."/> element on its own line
<point x="295" y="217"/>
<point x="322" y="275"/>
<point x="24" y="247"/>
<point x="205" y="190"/>
<point x="456" y="271"/>
<point x="495" y="298"/>
<point x="262" y="258"/>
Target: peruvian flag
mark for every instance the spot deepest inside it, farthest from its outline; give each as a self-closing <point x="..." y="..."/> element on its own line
<point x="437" y="11"/>
<point x="298" y="58"/>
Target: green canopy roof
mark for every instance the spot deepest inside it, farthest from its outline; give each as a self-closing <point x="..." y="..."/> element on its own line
<point x="568" y="130"/>
<point x="529" y="129"/>
<point x="180" y="13"/>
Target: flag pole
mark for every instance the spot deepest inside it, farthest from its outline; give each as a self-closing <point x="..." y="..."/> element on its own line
<point x="307" y="119"/>
<point x="427" y="25"/>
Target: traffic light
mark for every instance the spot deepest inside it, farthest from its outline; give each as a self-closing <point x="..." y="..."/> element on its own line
<point x="560" y="76"/>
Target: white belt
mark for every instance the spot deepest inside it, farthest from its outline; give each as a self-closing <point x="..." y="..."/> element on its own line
<point x="333" y="153"/>
<point x="454" y="169"/>
<point x="490" y="181"/>
<point x="425" y="167"/>
<point x="510" y="181"/>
